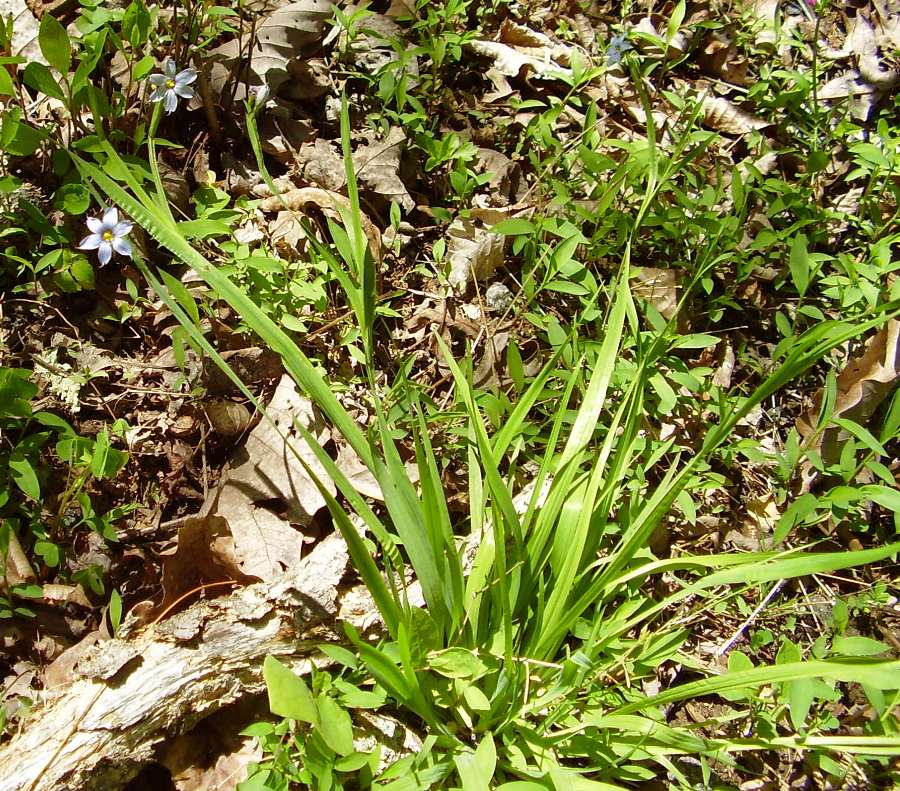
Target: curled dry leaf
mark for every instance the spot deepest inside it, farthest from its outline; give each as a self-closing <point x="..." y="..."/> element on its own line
<point x="310" y="78"/>
<point x="720" y="58"/>
<point x="288" y="235"/>
<point x="864" y="383"/>
<point x="329" y="202"/>
<point x="521" y="52"/>
<point x="280" y="137"/>
<point x="320" y="164"/>
<point x="17" y="569"/>
<point x="472" y="249"/>
<point x="210" y="757"/>
<point x="65" y="594"/>
<point x="863" y="43"/>
<point x="25" y="27"/>
<point x="723" y="116"/>
<point x="253" y="365"/>
<point x="654" y="44"/>
<point x="227" y="418"/>
<point x="360" y="477"/>
<point x="373" y="46"/>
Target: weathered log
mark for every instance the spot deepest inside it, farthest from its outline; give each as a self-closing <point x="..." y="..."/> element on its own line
<point x="129" y="696"/>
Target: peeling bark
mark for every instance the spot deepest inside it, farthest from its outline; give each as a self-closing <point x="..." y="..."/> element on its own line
<point x="128" y="696"/>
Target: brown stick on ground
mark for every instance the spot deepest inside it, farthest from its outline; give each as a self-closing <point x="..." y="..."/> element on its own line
<point x="130" y="695"/>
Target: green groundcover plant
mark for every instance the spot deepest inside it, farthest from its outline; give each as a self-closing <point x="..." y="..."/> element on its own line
<point x="535" y="660"/>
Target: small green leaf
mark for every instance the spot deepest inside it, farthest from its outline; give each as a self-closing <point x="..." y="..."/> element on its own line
<point x="796" y="512"/>
<point x="885" y="497"/>
<point x="335" y="725"/>
<point x="476" y="699"/>
<point x="38" y="76"/>
<point x="136" y="23"/>
<point x="675" y="19"/>
<point x="54" y="44"/>
<point x="476" y="769"/>
<point x="184" y="297"/>
<point x="857" y="646"/>
<point x="115" y="610"/>
<point x="82" y="272"/>
<point x="48" y="551"/>
<point x="24" y="140"/>
<point x="801" y="694"/>
<point x="799" y="263"/>
<point x="288" y="694"/>
<point x="457" y="663"/>
<point x="700" y="340"/>
<point x="24" y="475"/>
<point x="106" y="461"/>
<point x="515" y="226"/>
<point x="353" y="762"/>
<point x="340" y="655"/>
<point x="28" y="591"/>
<point x="7" y="88"/>
<point x="72" y="198"/>
<point x="738" y="662"/>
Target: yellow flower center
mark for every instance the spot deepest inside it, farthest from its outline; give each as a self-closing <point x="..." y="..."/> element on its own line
<point x="108" y="236"/>
<point x="170" y="84"/>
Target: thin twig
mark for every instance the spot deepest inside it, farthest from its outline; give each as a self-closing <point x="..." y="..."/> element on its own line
<point x="723" y="649"/>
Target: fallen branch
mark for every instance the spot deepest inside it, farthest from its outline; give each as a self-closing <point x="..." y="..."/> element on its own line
<point x="128" y="696"/>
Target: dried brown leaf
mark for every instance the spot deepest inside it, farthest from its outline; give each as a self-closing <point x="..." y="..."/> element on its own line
<point x="320" y="164"/>
<point x="723" y="116"/>
<point x="287" y="33"/>
<point x="660" y="287"/>
<point x="227" y="418"/>
<point x="521" y="52"/>
<point x="65" y="594"/>
<point x="472" y="250"/>
<point x="865" y="382"/>
<point x="267" y="469"/>
<point x="253" y="365"/>
<point x="377" y="167"/>
<point x="204" y="553"/>
<point x="16" y="566"/>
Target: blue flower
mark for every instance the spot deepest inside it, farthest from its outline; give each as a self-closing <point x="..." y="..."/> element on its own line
<point x="107" y="234"/>
<point x="617" y="47"/>
<point x="170" y="86"/>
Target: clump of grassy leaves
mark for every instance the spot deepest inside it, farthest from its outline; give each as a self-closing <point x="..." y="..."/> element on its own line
<point x="541" y="617"/>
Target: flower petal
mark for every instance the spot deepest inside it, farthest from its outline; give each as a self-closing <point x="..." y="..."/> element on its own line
<point x="122" y="247"/>
<point x="104" y="253"/>
<point x="157" y="79"/>
<point x="158" y="94"/>
<point x="91" y="242"/>
<point x="169" y="68"/>
<point x="94" y="224"/>
<point x="110" y="218"/>
<point x="186" y="76"/>
<point x="171" y="101"/>
<point x="123" y="228"/>
<point x="184" y="91"/>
